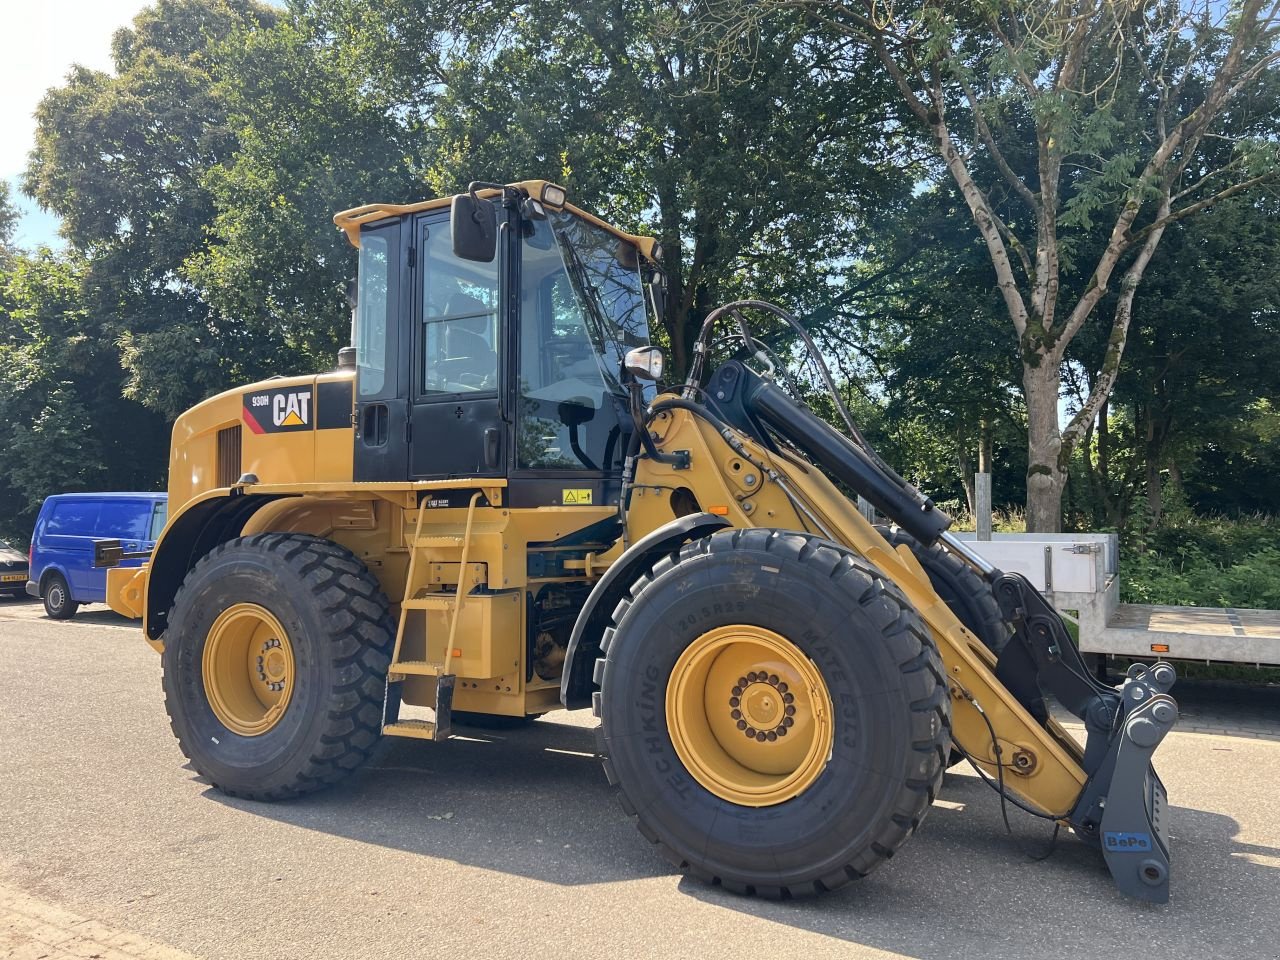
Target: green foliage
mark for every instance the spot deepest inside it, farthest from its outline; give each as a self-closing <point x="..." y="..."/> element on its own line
<point x="1209" y="562"/>
<point x="122" y="158"/>
<point x="64" y="424"/>
<point x="9" y="217"/>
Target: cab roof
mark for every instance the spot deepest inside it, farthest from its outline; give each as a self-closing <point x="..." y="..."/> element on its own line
<point x="350" y="221"/>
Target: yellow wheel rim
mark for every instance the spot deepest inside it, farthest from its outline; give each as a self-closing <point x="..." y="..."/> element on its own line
<point x="248" y="669"/>
<point x="749" y="715"/>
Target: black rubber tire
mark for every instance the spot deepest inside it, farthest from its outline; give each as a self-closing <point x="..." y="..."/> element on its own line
<point x="884" y="675"/>
<point x="342" y="634"/>
<point x="58" y="604"/>
<point x="963" y="590"/>
<point x="961" y="587"/>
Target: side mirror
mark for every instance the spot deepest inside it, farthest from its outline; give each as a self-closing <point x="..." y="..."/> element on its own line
<point x="644" y="363"/>
<point x="656" y="287"/>
<point x="474" y="223"/>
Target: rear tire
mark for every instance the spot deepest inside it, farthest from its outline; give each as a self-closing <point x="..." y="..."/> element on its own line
<point x="338" y="640"/>
<point x="57" y="598"/>
<point x="963" y="590"/>
<point x="855" y="636"/>
<point x="961" y="587"/>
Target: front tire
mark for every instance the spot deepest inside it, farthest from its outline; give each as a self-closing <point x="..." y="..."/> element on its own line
<point x="58" y="603"/>
<point x="775" y="808"/>
<point x="275" y="665"/>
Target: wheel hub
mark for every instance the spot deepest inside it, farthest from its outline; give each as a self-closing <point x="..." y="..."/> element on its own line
<point x="749" y="715"/>
<point x="248" y="669"/>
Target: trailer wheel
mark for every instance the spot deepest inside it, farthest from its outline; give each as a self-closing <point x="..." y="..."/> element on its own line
<point x="275" y="665"/>
<point x="773" y="712"/>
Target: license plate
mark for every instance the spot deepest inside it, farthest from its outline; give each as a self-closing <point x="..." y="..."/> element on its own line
<point x="11" y="577"/>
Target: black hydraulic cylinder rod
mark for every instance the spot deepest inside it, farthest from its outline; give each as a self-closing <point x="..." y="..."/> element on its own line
<point x="844" y="461"/>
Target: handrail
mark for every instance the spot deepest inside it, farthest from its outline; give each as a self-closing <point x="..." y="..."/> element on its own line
<point x="462" y="583"/>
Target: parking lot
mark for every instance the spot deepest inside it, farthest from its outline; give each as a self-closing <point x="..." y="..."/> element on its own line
<point x="511" y="845"/>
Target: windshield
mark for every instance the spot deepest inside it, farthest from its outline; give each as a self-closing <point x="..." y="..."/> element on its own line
<point x="581" y="309"/>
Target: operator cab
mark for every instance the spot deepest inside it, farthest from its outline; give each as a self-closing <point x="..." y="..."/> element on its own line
<point x="509" y="366"/>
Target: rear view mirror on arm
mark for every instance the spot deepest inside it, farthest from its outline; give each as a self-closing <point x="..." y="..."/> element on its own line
<point x="474" y="224"/>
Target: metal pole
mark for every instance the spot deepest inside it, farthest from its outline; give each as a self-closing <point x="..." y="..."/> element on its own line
<point x="866" y="509"/>
<point x="982" y="498"/>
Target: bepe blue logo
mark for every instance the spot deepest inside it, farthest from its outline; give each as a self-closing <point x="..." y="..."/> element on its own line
<point x="1121" y="842"/>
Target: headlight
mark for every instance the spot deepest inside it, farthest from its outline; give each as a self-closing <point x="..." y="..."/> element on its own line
<point x="553" y="195"/>
<point x="645" y="363"/>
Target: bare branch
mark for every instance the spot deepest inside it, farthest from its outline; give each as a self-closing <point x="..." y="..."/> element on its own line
<point x="1271" y="176"/>
<point x="984" y="131"/>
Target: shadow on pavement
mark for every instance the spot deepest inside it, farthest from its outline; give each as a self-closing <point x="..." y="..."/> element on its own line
<point x="534" y="803"/>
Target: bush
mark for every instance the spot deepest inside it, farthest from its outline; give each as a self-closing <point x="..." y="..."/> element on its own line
<point x="1204" y="561"/>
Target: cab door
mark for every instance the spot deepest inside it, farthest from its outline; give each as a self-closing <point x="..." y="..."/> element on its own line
<point x="457" y="425"/>
<point x="382" y="346"/>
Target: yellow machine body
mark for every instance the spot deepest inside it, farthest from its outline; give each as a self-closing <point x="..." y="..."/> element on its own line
<point x="461" y="576"/>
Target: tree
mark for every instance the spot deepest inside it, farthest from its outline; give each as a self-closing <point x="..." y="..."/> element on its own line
<point x="1202" y="355"/>
<point x="63" y="422"/>
<point x="1099" y="119"/>
<point x="9" y="217"/>
<point x="746" y="186"/>
<point x="121" y="158"/>
<point x="312" y="137"/>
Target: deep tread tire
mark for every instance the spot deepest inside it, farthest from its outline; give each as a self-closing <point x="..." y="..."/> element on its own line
<point x="886" y="683"/>
<point x="961" y="588"/>
<point x="342" y="635"/>
<point x="57" y="598"/>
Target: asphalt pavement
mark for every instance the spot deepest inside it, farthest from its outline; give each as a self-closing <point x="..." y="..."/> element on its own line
<point x="511" y="844"/>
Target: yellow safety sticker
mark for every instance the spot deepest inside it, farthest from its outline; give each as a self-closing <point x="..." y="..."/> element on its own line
<point x="575" y="497"/>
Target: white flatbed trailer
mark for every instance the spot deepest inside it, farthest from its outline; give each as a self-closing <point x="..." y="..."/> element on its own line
<point x="1078" y="574"/>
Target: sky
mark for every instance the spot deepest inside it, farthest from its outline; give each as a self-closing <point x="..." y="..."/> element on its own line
<point x="45" y="39"/>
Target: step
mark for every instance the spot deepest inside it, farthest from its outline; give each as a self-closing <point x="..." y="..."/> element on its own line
<point x="416" y="668"/>
<point x="436" y="541"/>
<point x="417" y="729"/>
<point x="431" y="601"/>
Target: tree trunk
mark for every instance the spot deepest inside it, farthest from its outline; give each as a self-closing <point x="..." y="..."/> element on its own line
<point x="1045" y="476"/>
<point x="1155" y="495"/>
<point x="965" y="466"/>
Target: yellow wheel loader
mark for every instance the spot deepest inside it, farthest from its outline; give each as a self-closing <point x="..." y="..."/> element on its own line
<point x="491" y="508"/>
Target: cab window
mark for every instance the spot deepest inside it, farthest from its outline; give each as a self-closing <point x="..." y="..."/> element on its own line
<point x="566" y="414"/>
<point x="375" y="291"/>
<point x="459" y="318"/>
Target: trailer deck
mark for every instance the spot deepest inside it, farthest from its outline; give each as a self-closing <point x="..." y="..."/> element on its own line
<point x="1194" y="633"/>
<point x="1078" y="574"/>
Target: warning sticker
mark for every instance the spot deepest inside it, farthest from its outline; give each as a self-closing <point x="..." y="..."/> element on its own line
<point x="280" y="410"/>
<point x="576" y="497"/>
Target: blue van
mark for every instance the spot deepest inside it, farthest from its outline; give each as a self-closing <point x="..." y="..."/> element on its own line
<point x="62" y="571"/>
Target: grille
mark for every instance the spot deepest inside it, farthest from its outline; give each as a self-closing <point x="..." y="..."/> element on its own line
<point x="229" y="456"/>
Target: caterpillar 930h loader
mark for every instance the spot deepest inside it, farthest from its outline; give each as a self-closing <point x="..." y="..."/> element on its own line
<point x="492" y="509"/>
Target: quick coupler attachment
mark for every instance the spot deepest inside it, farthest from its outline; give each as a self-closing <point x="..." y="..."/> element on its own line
<point x="1123" y="805"/>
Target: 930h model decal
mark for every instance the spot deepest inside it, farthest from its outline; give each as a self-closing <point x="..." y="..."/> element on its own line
<point x="279" y="411"/>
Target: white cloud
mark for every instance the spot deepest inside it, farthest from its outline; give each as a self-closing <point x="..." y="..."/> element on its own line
<point x="42" y="41"/>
